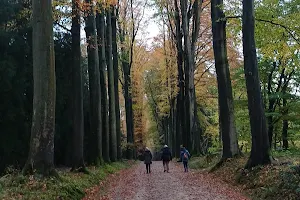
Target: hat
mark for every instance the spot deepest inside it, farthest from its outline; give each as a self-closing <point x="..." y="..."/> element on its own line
<point x="147" y="148"/>
<point x="165" y="146"/>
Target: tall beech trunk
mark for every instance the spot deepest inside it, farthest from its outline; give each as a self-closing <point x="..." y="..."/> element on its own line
<point x="111" y="89"/>
<point x="41" y="153"/>
<point x="226" y="109"/>
<point x="189" y="75"/>
<point x="196" y="130"/>
<point x="94" y="83"/>
<point x="173" y="124"/>
<point x="102" y="67"/>
<point x="128" y="109"/>
<point x="127" y="93"/>
<point x="180" y="121"/>
<point x="260" y="148"/>
<point x="190" y="37"/>
<point x="116" y="80"/>
<point x="78" y="116"/>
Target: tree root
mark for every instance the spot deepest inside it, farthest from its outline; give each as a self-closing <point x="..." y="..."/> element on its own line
<point x="44" y="172"/>
<point x="218" y="165"/>
<point x="222" y="161"/>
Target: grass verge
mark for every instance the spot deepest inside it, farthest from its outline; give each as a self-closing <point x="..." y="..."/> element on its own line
<point x="71" y="186"/>
<point x="276" y="181"/>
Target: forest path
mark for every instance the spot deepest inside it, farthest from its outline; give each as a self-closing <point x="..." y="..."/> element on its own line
<point x="135" y="184"/>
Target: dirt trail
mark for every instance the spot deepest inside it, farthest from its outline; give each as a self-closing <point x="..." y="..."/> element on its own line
<point x="135" y="184"/>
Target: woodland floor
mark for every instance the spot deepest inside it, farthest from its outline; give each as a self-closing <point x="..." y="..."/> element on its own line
<point x="135" y="184"/>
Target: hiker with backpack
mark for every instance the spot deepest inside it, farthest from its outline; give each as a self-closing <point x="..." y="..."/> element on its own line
<point x="148" y="159"/>
<point x="166" y="157"/>
<point x="184" y="157"/>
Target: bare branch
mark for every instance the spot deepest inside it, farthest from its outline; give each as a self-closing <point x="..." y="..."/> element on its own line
<point x="61" y="26"/>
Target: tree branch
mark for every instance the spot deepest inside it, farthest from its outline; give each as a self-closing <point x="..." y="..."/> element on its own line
<point x="289" y="30"/>
<point x="295" y="36"/>
<point x="61" y="26"/>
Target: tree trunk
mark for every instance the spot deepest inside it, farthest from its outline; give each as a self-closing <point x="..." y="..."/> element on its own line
<point x="174" y="134"/>
<point x="270" y="129"/>
<point x="41" y="153"/>
<point x="189" y="75"/>
<point x="260" y="142"/>
<point x="127" y="94"/>
<point x="272" y="102"/>
<point x="226" y="109"/>
<point x="128" y="109"/>
<point x="111" y="89"/>
<point x="116" y="80"/>
<point x="285" y="126"/>
<point x="78" y="116"/>
<point x="285" y="123"/>
<point x="180" y="121"/>
<point x="102" y="67"/>
<point x="189" y="67"/>
<point x="94" y="84"/>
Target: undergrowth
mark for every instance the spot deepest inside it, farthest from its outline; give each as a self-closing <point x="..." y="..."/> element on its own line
<point x="276" y="181"/>
<point x="71" y="185"/>
<point x="203" y="162"/>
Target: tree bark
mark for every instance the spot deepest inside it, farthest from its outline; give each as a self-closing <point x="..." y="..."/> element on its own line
<point x="285" y="126"/>
<point x="226" y="108"/>
<point x="285" y="123"/>
<point x="78" y="116"/>
<point x="189" y="67"/>
<point x="180" y="121"/>
<point x="41" y="153"/>
<point x="116" y="80"/>
<point x="128" y="108"/>
<point x="102" y="68"/>
<point x="260" y="142"/>
<point x="94" y="83"/>
<point x="111" y="90"/>
<point x="127" y="94"/>
<point x="188" y="76"/>
<point x="273" y="102"/>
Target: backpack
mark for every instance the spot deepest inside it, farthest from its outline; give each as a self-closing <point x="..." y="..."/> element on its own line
<point x="185" y="156"/>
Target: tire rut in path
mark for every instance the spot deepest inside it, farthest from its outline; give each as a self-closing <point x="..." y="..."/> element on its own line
<point x="135" y="184"/>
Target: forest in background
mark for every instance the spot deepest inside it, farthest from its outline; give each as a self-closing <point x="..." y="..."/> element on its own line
<point x="220" y="78"/>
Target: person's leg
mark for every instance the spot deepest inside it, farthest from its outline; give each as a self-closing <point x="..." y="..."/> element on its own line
<point x="168" y="166"/>
<point x="164" y="163"/>
<point x="146" y="168"/>
<point x="149" y="168"/>
<point x="185" y="166"/>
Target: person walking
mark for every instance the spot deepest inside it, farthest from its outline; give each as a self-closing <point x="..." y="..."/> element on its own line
<point x="166" y="157"/>
<point x="148" y="159"/>
<point x="184" y="157"/>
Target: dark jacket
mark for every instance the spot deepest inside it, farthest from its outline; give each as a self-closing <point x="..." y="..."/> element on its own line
<point x="166" y="154"/>
<point x="147" y="157"/>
